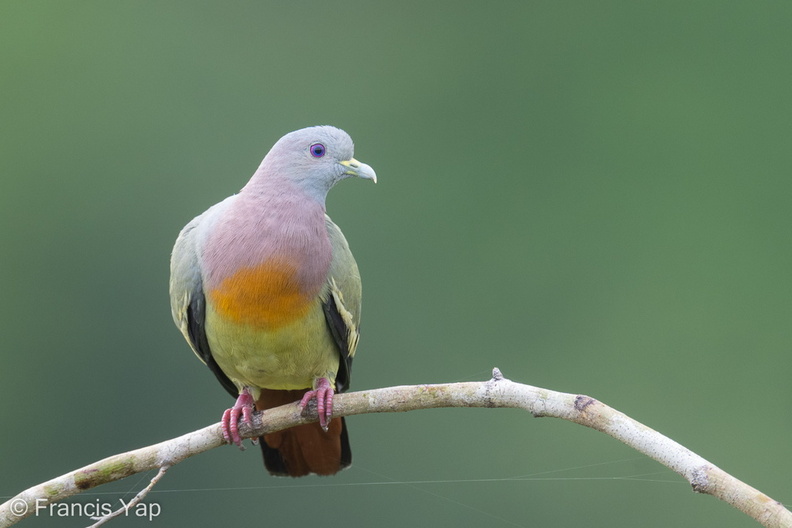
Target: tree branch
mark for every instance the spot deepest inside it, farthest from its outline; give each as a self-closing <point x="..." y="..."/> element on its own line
<point x="497" y="392"/>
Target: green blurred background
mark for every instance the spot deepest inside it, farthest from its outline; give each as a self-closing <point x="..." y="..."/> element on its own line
<point x="593" y="196"/>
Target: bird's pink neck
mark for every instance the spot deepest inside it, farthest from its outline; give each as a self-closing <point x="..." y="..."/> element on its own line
<point x="279" y="228"/>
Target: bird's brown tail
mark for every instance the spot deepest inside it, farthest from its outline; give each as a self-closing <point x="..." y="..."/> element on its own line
<point x="303" y="449"/>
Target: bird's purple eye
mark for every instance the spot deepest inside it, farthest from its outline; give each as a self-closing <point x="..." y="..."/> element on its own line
<point x="317" y="150"/>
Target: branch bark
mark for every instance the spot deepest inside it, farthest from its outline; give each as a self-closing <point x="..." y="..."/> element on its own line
<point x="703" y="476"/>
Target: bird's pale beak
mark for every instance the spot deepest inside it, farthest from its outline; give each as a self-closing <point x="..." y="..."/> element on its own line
<point x="361" y="170"/>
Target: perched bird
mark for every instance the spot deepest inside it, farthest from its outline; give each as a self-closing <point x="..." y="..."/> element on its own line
<point x="266" y="292"/>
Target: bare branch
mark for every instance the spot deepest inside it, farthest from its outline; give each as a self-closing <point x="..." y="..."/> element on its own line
<point x="135" y="500"/>
<point x="703" y="476"/>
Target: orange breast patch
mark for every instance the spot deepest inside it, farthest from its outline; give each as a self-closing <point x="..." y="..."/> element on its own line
<point x="264" y="296"/>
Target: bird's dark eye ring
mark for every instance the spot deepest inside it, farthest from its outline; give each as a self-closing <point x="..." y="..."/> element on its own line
<point x="317" y="150"/>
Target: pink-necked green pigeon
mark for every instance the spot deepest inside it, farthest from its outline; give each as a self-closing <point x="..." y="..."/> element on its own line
<point x="265" y="290"/>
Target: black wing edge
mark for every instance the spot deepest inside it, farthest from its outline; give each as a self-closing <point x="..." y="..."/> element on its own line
<point x="196" y="328"/>
<point x="273" y="460"/>
<point x="340" y="332"/>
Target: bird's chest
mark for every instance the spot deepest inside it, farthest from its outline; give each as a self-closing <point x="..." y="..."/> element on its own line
<point x="267" y="273"/>
<point x="266" y="326"/>
<point x="269" y="295"/>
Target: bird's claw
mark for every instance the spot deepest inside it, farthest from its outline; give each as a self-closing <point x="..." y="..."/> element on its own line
<point x="230" y="421"/>
<point x="324" y="401"/>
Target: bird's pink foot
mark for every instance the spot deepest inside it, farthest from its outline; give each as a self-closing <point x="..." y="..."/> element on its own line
<point x="324" y="401"/>
<point x="230" y="421"/>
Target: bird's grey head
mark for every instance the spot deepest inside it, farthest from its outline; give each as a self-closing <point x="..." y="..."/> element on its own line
<point x="315" y="159"/>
